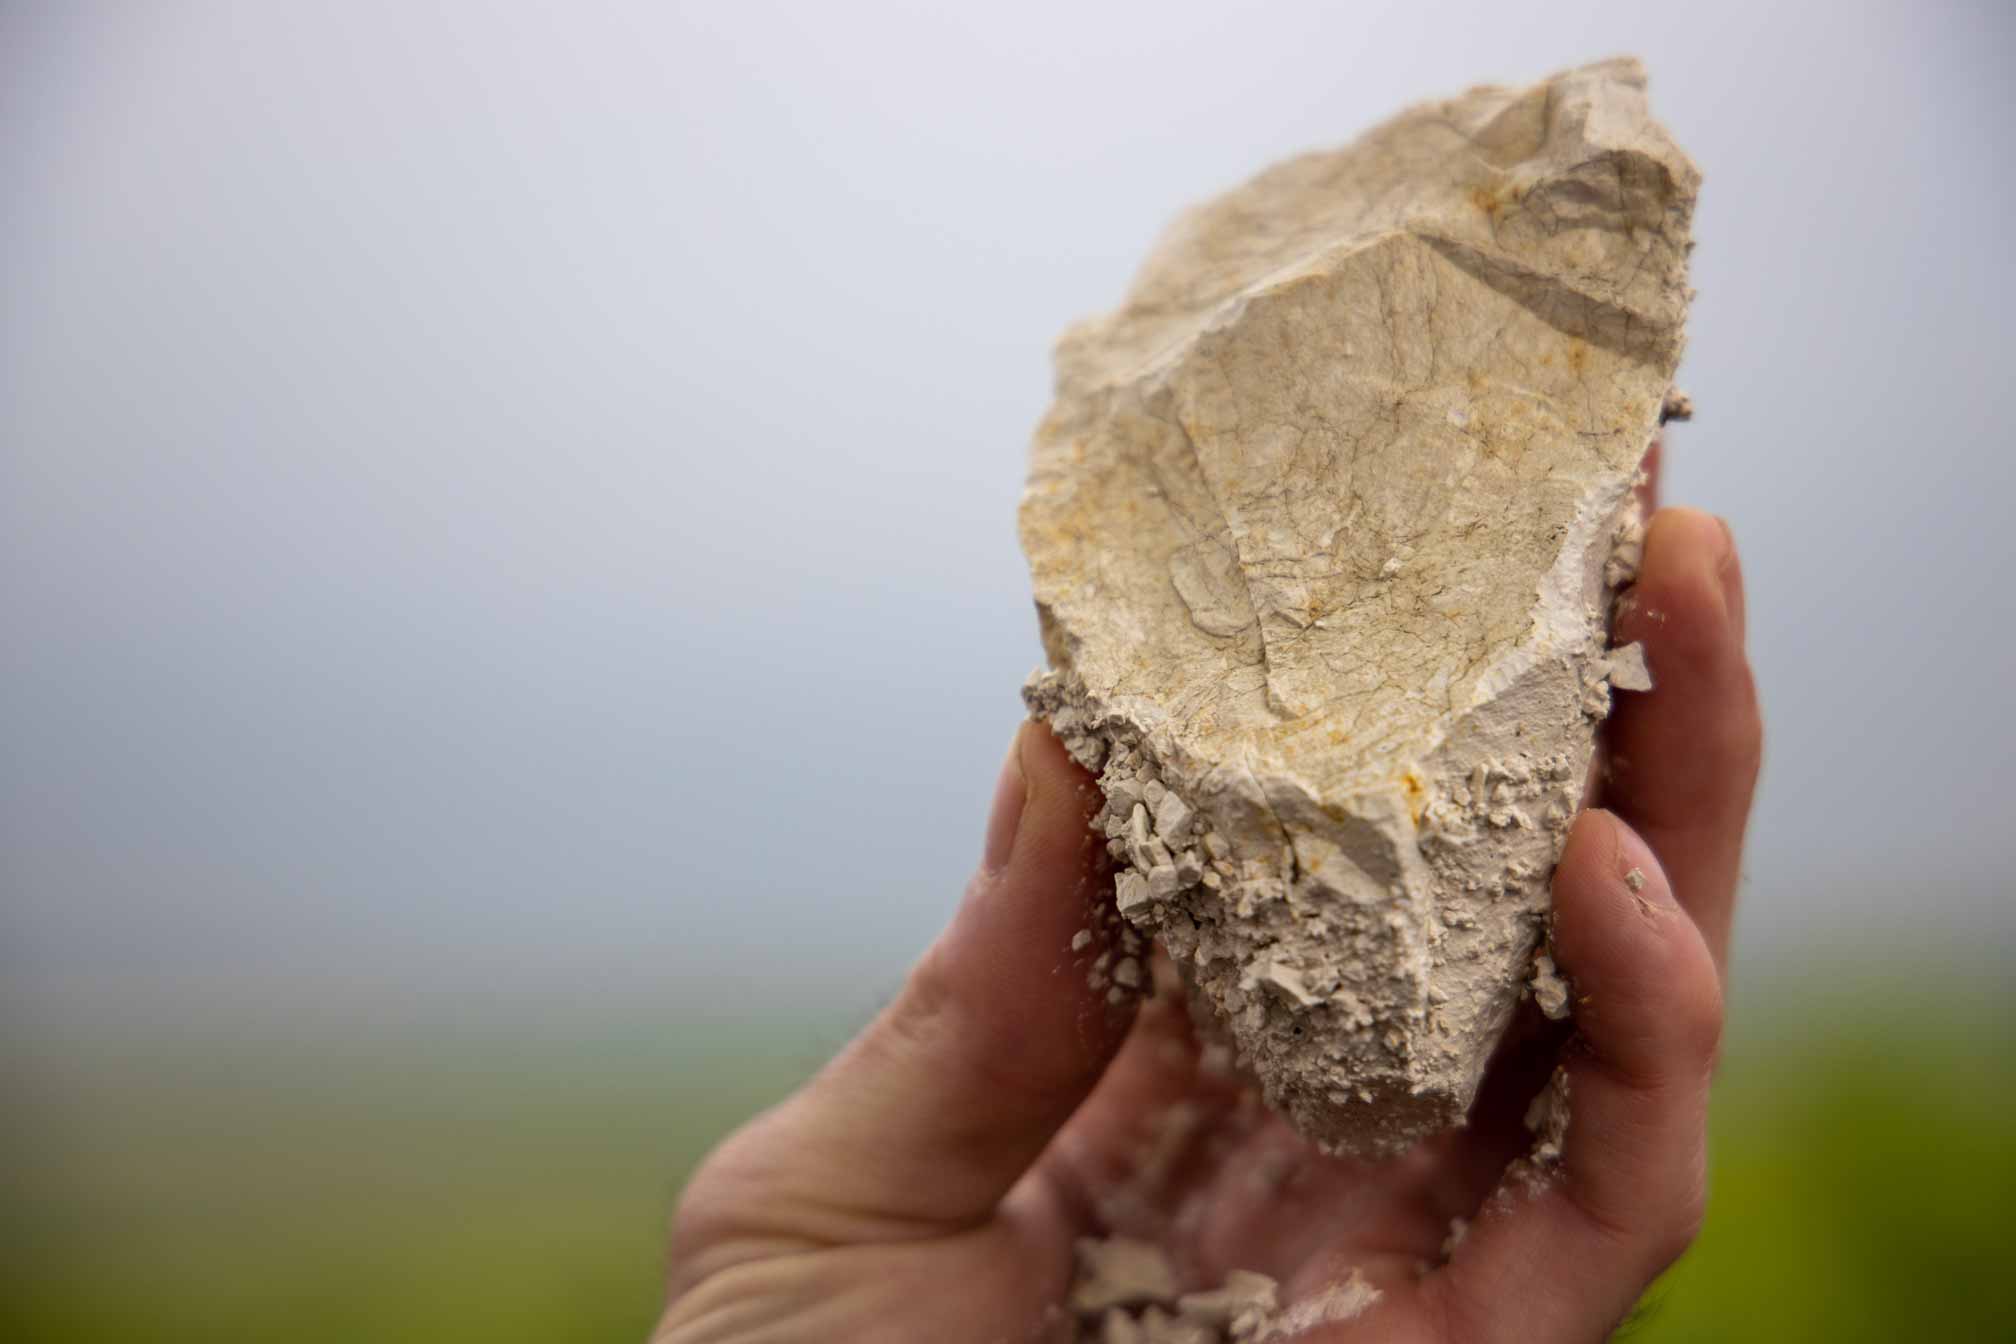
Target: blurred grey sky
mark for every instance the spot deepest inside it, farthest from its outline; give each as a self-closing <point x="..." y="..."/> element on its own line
<point x="509" y="509"/>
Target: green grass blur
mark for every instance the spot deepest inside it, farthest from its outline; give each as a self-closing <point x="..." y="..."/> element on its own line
<point x="453" y="1189"/>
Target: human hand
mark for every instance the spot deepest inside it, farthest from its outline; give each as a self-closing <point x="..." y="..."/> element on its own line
<point x="929" y="1184"/>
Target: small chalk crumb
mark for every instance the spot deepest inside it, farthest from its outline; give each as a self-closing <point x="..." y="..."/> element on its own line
<point x="1628" y="669"/>
<point x="1081" y="940"/>
<point x="1173" y="817"/>
<point x="1125" y="1293"/>
<point x="1459" y="1228"/>
<point x="1547" y="1120"/>
<point x="1635" y="879"/>
<point x="1285" y="981"/>
<point x="1550" y="991"/>
<point x="1120" y="1272"/>
<point x="1338" y="1302"/>
<point x="1120" y="1328"/>
<point x="1159" y="1327"/>
<point x="1128" y="973"/>
<point x="1240" y="1305"/>
<point x="1130" y="892"/>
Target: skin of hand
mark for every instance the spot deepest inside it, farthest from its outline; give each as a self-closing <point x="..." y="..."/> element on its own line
<point x="929" y="1183"/>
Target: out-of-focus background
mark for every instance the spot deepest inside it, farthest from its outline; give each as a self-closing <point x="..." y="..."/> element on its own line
<point x="509" y="608"/>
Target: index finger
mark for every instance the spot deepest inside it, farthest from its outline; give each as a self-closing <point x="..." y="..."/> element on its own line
<point x="1683" y="757"/>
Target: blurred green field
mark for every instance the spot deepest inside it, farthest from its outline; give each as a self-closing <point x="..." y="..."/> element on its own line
<point x="446" y="1188"/>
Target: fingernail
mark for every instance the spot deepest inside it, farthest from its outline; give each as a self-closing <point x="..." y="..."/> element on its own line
<point x="1011" y="791"/>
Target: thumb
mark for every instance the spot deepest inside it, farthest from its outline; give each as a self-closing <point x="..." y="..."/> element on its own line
<point x="928" y="1117"/>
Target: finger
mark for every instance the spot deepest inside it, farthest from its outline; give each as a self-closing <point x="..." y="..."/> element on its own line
<point x="1156" y="1126"/>
<point x="1683" y="757"/>
<point x="932" y="1113"/>
<point x="1562" y="1251"/>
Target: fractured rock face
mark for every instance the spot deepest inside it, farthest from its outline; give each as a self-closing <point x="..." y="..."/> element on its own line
<point x="1323" y="527"/>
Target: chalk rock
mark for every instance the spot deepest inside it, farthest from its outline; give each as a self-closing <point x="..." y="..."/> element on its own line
<point x="1120" y="1272"/>
<point x="1323" y="527"/>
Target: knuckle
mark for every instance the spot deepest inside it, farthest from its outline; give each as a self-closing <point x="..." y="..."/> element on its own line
<point x="732" y="1202"/>
<point x="707" y="1209"/>
<point x="698" y="1223"/>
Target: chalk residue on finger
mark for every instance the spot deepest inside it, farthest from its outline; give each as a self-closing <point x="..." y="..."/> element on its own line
<point x="1339" y="1302"/>
<point x="1547" y="1120"/>
<point x="1125" y="1293"/>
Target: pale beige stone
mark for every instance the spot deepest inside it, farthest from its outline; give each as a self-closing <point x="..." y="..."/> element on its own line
<point x="1339" y="1302"/>
<point x="1627" y="670"/>
<point x="1321" y="527"/>
<point x="1240" y="1305"/>
<point x="1120" y="1328"/>
<point x="1159" y="1327"/>
<point x="1550" y="990"/>
<point x="1120" y="1272"/>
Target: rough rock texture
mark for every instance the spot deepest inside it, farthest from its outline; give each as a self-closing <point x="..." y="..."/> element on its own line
<point x="1323" y="527"/>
